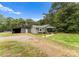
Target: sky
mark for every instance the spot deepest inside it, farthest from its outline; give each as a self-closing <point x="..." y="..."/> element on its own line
<point x="26" y="10"/>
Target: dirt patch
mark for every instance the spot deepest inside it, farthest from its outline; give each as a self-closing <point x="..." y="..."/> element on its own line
<point x="53" y="48"/>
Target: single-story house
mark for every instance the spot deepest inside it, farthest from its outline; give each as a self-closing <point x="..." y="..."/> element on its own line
<point x="42" y="29"/>
<point x="35" y="29"/>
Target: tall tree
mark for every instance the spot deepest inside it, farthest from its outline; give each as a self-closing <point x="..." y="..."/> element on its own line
<point x="64" y="16"/>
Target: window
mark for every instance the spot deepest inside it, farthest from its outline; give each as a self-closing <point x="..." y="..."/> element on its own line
<point x="40" y="29"/>
<point x="37" y="28"/>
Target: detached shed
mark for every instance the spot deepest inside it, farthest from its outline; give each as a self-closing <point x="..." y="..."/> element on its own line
<point x="19" y="30"/>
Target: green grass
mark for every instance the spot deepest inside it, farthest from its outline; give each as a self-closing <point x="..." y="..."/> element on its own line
<point x="6" y="34"/>
<point x="15" y="48"/>
<point x="68" y="39"/>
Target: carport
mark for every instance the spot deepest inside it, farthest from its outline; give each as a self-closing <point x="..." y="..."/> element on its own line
<point x="16" y="30"/>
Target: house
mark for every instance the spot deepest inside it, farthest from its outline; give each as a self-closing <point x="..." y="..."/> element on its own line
<point x="35" y="29"/>
<point x="42" y="29"/>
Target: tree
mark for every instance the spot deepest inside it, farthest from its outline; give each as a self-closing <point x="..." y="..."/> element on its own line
<point x="30" y="22"/>
<point x="64" y="16"/>
<point x="2" y="23"/>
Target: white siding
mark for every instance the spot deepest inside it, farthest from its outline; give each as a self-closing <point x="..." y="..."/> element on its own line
<point x="26" y="30"/>
<point x="22" y="30"/>
<point x="34" y="31"/>
<point x="41" y="30"/>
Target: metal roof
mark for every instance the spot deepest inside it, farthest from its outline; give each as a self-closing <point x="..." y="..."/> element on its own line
<point x="46" y="26"/>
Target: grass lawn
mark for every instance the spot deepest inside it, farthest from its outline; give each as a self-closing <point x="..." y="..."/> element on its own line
<point x="68" y="39"/>
<point x="65" y="38"/>
<point x="15" y="48"/>
<point x="6" y="34"/>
